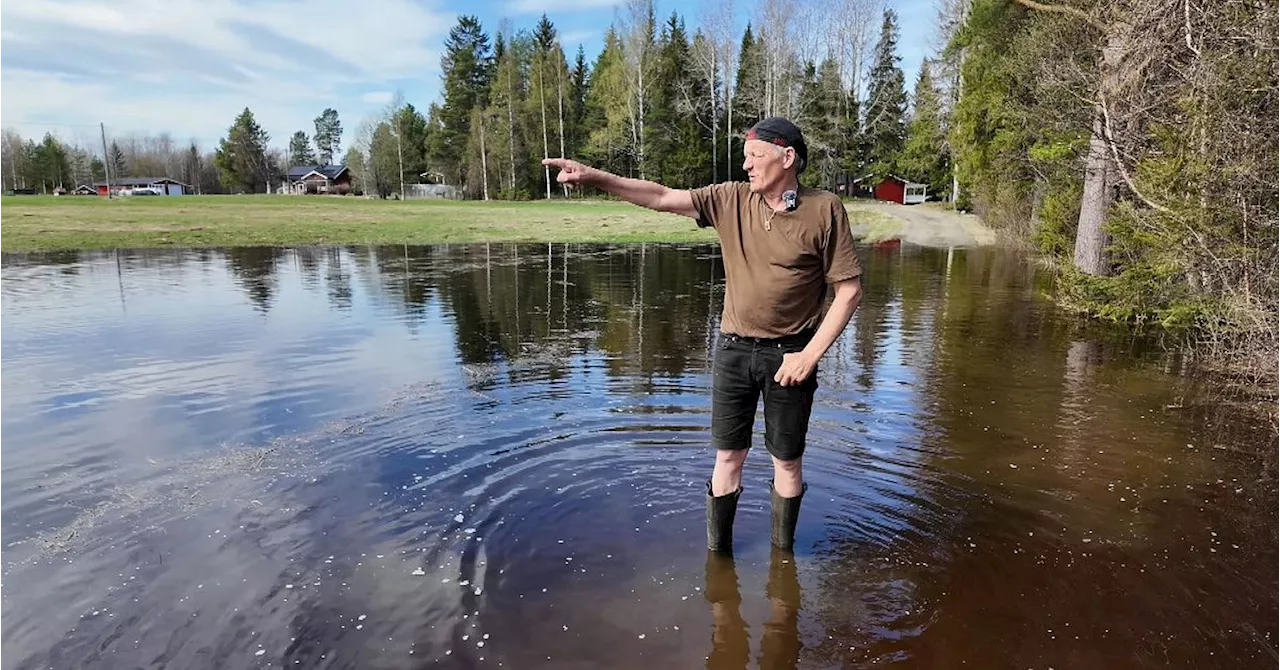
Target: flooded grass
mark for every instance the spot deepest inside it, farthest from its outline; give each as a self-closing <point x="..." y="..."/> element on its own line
<point x="35" y="223"/>
<point x="48" y="223"/>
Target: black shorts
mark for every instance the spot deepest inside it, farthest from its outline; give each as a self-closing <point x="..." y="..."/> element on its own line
<point x="744" y="370"/>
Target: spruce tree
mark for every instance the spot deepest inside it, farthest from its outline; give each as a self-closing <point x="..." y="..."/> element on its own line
<point x="466" y="70"/>
<point x="748" y="92"/>
<point x="925" y="159"/>
<point x="116" y="160"/>
<point x="664" y="97"/>
<point x="544" y="34"/>
<point x="886" y="102"/>
<point x="578" y="83"/>
<point x="300" y="150"/>
<point x="241" y="157"/>
<point x="328" y="135"/>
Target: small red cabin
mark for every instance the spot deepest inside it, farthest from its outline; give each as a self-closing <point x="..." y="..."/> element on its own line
<point x="896" y="189"/>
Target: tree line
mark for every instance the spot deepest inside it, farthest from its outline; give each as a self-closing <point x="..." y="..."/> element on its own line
<point x="243" y="162"/>
<point x="52" y="163"/>
<point x="1136" y="142"/>
<point x="662" y="100"/>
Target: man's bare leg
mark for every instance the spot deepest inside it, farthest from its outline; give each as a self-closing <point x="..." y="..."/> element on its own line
<point x="727" y="476"/>
<point x="787" y="478"/>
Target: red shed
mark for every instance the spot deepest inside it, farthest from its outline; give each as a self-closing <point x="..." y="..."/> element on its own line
<point x="144" y="186"/>
<point x="891" y="189"/>
<point x="896" y="189"/>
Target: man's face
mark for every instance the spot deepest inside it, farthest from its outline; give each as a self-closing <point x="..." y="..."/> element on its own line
<point x="765" y="163"/>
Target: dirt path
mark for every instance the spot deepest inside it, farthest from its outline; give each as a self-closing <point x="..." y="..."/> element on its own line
<point x="925" y="225"/>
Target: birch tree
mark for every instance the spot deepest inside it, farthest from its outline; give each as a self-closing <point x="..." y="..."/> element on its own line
<point x="717" y="30"/>
<point x="561" y="77"/>
<point x="638" y="49"/>
<point x="704" y="56"/>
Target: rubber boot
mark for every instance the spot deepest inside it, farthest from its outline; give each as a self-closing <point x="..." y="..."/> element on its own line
<point x="786" y="511"/>
<point x="720" y="513"/>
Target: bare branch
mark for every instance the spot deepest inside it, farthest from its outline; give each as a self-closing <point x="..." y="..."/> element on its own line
<point x="1124" y="172"/>
<point x="1186" y="13"/>
<point x="1063" y="9"/>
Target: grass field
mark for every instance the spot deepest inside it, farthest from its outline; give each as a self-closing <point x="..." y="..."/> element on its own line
<point x="33" y="223"/>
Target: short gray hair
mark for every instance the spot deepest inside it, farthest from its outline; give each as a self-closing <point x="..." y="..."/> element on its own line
<point x="799" y="161"/>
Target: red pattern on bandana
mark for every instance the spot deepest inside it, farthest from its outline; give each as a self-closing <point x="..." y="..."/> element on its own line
<point x="751" y="135"/>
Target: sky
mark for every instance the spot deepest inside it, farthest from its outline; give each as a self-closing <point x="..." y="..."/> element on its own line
<point x="188" y="67"/>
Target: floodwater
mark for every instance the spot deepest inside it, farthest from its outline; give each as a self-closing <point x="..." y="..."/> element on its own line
<point x="494" y="456"/>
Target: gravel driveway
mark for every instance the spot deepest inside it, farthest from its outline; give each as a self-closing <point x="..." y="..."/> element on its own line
<point x="925" y="225"/>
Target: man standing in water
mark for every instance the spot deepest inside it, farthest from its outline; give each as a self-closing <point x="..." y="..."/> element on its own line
<point x="782" y="245"/>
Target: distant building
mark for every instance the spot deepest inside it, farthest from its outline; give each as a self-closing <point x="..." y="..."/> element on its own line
<point x="303" y="179"/>
<point x="890" y="189"/>
<point x="144" y="186"/>
<point x="443" y="191"/>
<point x="85" y="189"/>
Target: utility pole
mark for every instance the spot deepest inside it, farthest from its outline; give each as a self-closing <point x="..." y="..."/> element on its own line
<point x="106" y="159"/>
<point x="400" y="153"/>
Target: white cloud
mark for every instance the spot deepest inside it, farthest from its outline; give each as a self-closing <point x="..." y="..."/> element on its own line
<point x="188" y="66"/>
<point x="557" y="6"/>
<point x="572" y="39"/>
<point x="377" y="97"/>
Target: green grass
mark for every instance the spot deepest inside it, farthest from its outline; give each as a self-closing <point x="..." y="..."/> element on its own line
<point x="872" y="226"/>
<point x="37" y="223"/>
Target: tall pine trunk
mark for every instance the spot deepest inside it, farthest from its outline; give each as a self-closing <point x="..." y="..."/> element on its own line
<point x="1095" y="198"/>
<point x="1091" y="239"/>
<point x="542" y="98"/>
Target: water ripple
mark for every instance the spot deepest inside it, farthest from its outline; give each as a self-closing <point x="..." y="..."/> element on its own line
<point x="495" y="454"/>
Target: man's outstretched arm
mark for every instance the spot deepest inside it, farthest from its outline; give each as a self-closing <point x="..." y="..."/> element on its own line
<point x="651" y="195"/>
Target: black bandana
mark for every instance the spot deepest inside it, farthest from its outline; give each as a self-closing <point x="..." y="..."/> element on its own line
<point x="783" y="133"/>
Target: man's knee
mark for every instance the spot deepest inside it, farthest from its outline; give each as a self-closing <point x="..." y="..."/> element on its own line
<point x="727" y="476"/>
<point x="788" y="468"/>
<point x="730" y="459"/>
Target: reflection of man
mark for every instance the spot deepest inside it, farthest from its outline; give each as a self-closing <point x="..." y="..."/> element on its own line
<point x="780" y="641"/>
<point x="782" y="244"/>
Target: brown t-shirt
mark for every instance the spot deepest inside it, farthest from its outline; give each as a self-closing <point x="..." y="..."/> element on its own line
<point x="777" y="265"/>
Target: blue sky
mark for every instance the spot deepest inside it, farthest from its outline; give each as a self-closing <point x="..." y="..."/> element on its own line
<point x="189" y="66"/>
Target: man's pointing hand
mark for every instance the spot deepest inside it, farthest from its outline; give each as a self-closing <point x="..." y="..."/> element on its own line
<point x="572" y="172"/>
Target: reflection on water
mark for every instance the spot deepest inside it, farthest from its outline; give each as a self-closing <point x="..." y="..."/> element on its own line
<point x="780" y="642"/>
<point x="493" y="456"/>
